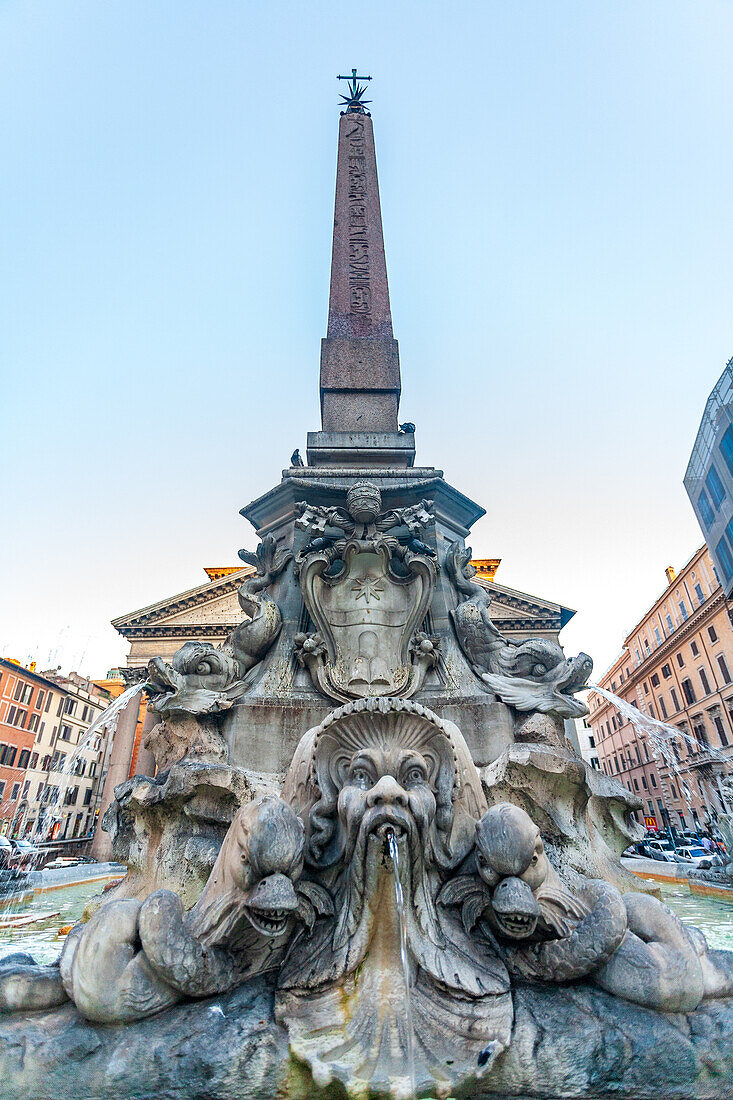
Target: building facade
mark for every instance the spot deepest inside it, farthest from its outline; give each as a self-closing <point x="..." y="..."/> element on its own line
<point x="709" y="477"/>
<point x="65" y="763"/>
<point x="45" y="754"/>
<point x="676" y="667"/>
<point x="28" y="704"/>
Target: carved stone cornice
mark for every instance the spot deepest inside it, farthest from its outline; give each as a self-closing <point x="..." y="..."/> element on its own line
<point x="182" y="630"/>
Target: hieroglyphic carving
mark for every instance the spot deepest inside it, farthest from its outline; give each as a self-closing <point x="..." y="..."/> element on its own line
<point x="360" y="298"/>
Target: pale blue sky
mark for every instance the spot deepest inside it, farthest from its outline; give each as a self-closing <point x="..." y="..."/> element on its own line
<point x="556" y="190"/>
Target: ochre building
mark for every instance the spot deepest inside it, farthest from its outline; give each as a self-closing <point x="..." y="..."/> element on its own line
<point x="676" y="666"/>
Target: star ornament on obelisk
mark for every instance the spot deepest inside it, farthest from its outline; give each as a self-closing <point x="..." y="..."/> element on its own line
<point x="353" y="102"/>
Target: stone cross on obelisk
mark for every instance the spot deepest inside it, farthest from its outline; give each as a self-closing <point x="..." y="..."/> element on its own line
<point x="360" y="367"/>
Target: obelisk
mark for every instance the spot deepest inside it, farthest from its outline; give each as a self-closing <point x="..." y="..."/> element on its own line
<point x="360" y="367"/>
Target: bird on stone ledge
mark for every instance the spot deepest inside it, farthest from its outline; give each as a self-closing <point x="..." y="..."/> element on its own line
<point x="407" y="428"/>
<point x="295" y="459"/>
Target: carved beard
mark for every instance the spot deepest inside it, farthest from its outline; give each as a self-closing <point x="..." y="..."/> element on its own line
<point x="359" y="847"/>
<point x="364" y="833"/>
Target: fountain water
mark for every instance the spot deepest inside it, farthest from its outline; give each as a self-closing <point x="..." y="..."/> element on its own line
<point x="661" y="735"/>
<point x="53" y="812"/>
<point x="394" y="853"/>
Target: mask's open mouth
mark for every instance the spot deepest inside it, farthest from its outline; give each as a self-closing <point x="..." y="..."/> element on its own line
<point x="270" y="922"/>
<point x="516" y="925"/>
<point x="383" y="821"/>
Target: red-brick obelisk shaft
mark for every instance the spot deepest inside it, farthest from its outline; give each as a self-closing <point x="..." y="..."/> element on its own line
<point x="360" y="370"/>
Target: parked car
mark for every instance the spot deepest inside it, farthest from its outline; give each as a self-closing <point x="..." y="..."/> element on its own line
<point x="695" y="856"/>
<point x="661" y="850"/>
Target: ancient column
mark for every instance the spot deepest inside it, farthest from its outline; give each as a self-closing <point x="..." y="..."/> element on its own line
<point x="360" y="367"/>
<point x="117" y="772"/>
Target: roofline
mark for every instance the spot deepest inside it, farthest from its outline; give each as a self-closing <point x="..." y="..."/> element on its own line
<point x="6" y="663"/>
<point x="663" y="597"/>
<point x="201" y="589"/>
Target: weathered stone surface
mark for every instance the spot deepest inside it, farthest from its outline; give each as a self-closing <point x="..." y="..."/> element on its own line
<point x="566" y="1042"/>
<point x="168" y="830"/>
<point x="584" y="816"/>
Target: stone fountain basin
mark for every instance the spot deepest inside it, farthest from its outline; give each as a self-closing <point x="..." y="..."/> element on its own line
<point x="571" y="1041"/>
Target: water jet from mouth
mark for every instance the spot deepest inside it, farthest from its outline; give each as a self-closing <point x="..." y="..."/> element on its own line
<point x="391" y="839"/>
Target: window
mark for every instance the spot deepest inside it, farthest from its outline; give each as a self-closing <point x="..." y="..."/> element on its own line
<point x="646" y="752"/>
<point x="653" y="779"/>
<point x="718" y="723"/>
<point x="60" y="708"/>
<point x="651" y="710"/>
<point x="70" y="706"/>
<point x="683" y="610"/>
<point x="636" y="784"/>
<point x="725" y="558"/>
<point x="24" y="758"/>
<point x="655" y="680"/>
<point x="673" y="789"/>
<point x="704" y="680"/>
<point x="7" y="755"/>
<point x="723" y="666"/>
<point x="680" y="660"/>
<point x="39" y="792"/>
<point x="591" y="741"/>
<point x="688" y="692"/>
<point x="33" y="724"/>
<point x="646" y="688"/>
<point x="39" y="700"/>
<point x="701" y="735"/>
<point x="34" y="760"/>
<point x="714" y="486"/>
<point x="87" y="796"/>
<point x="2" y="789"/>
<point x="712" y="634"/>
<point x="666" y="672"/>
<point x="14" y="791"/>
<point x="699" y="593"/>
<point x="726" y="447"/>
<point x="26" y="788"/>
<point x="675" y="700"/>
<point x="65" y="734"/>
<point x="662" y="707"/>
<point x="643" y="783"/>
<point x="11" y="716"/>
<point x="647" y="647"/>
<point x="668" y="618"/>
<point x="705" y="508"/>
<point x="48" y="702"/>
<point x="695" y="648"/>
